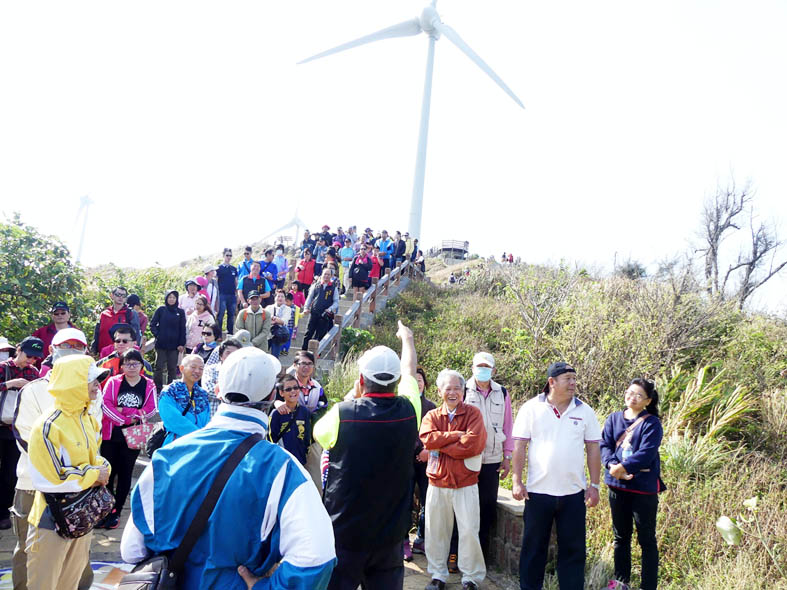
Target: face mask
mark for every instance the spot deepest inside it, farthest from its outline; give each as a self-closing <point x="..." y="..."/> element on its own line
<point x="482" y="374"/>
<point x="4" y="356"/>
<point x="59" y="353"/>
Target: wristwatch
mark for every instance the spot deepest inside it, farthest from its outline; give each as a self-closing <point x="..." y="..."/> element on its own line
<point x="595" y="485"/>
<point x="507" y="457"/>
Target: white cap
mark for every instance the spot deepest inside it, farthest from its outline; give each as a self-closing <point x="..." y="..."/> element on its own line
<point x="67" y="334"/>
<point x="5" y="344"/>
<point x="483" y="358"/>
<point x="94" y="372"/>
<point x="381" y="365"/>
<point x="251" y="372"/>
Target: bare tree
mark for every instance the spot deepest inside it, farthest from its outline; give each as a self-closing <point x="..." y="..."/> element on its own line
<point x="720" y="214"/>
<point x="728" y="210"/>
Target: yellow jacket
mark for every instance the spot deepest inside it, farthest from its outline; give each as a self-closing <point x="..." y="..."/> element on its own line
<point x="64" y="444"/>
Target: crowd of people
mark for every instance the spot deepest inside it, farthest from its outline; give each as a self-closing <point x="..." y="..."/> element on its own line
<point x="327" y="501"/>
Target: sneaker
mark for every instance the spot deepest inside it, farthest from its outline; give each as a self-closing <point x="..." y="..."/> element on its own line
<point x="408" y="554"/>
<point x="112" y="521"/>
<point x="5" y="524"/>
<point x="435" y="584"/>
<point x="616" y="585"/>
<point x="418" y="546"/>
<point x="452" y="564"/>
<point x="469" y="586"/>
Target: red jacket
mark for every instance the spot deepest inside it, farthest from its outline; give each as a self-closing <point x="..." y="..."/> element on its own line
<point x="106" y="320"/>
<point x="447" y="468"/>
<point x="306" y="274"/>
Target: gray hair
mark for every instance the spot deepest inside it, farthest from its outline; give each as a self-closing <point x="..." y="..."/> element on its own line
<point x="444" y="376"/>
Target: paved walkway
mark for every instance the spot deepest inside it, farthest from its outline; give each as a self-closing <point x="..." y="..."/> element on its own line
<point x="105" y="556"/>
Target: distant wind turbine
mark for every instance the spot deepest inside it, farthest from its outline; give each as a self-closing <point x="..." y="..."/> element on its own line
<point x="294" y="222"/>
<point x="429" y="23"/>
<point x="84" y="206"/>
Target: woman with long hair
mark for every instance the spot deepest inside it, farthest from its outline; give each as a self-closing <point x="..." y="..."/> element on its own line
<point x="630" y="453"/>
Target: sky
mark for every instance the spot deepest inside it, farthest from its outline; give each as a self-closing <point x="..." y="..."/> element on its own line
<point x="190" y="126"/>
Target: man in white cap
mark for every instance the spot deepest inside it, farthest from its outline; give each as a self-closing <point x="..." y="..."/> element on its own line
<point x="370" y="440"/>
<point x="268" y="514"/>
<point x="35" y="400"/>
<point x="495" y="404"/>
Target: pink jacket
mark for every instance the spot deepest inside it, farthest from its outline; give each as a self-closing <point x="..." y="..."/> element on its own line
<point x="114" y="416"/>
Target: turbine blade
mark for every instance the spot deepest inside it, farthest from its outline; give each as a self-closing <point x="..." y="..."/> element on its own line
<point x="407" y="28"/>
<point x="454" y="38"/>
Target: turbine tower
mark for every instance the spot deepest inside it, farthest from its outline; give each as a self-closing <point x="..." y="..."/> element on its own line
<point x="429" y="22"/>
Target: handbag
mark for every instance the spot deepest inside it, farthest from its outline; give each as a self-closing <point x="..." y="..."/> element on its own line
<point x="161" y="572"/>
<point x="157" y="436"/>
<point x="76" y="514"/>
<point x="137" y="435"/>
<point x="8" y="402"/>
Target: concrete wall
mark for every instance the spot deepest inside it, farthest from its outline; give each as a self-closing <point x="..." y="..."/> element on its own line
<point x="506" y="542"/>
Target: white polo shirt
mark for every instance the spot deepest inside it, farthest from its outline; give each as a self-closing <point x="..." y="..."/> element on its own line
<point x="556" y="449"/>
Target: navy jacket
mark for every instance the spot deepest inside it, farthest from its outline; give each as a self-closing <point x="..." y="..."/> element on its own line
<point x="168" y="325"/>
<point x="644" y="461"/>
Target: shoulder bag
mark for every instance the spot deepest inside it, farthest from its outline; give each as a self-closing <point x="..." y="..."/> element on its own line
<point x="76" y="514"/>
<point x="8" y="402"/>
<point x="625" y="440"/>
<point x="161" y="572"/>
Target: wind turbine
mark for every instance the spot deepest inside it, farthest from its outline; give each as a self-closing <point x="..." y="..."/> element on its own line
<point x="429" y="22"/>
<point x="84" y="206"/>
<point x="295" y="221"/>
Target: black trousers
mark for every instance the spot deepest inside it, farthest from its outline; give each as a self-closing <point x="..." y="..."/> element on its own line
<point x="420" y="481"/>
<point x="122" y="460"/>
<point x="373" y="569"/>
<point x="166" y="361"/>
<point x="318" y="327"/>
<point x="568" y="515"/>
<point x="628" y="509"/>
<point x="9" y="456"/>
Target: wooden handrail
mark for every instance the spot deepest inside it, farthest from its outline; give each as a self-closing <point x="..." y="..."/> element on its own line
<point x="331" y="342"/>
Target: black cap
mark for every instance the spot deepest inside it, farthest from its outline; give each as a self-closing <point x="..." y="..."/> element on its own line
<point x="32" y="346"/>
<point x="59" y="305"/>
<point x="133" y="300"/>
<point x="556" y="369"/>
<point x="253" y="294"/>
<point x="119" y="325"/>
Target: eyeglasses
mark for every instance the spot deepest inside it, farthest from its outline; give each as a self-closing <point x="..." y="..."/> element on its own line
<point x="119" y="294"/>
<point x="207" y="333"/>
<point x="293" y="388"/>
<point x="305" y="364"/>
<point x="228" y="255"/>
<point x="123" y="340"/>
<point x="132" y="365"/>
<point x="69" y="346"/>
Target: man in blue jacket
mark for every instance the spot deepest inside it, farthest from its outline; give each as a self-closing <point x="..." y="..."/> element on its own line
<point x="269" y="513"/>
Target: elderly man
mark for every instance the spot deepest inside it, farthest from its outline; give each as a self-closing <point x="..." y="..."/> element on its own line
<point x="183" y="405"/>
<point x="555" y="430"/>
<point x="370" y="440"/>
<point x="256" y="320"/>
<point x="321" y="305"/>
<point x="495" y="404"/>
<point x="455" y="437"/>
<point x="269" y="529"/>
<point x="34" y="401"/>
<point x="15" y="373"/>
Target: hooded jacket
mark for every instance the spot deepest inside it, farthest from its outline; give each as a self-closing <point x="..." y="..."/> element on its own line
<point x="168" y="325"/>
<point x="64" y="443"/>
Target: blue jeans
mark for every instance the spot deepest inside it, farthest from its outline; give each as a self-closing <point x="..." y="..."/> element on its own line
<point x="568" y="514"/>
<point x="228" y="303"/>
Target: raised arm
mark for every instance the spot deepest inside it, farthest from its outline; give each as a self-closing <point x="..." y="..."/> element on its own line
<point x="409" y="358"/>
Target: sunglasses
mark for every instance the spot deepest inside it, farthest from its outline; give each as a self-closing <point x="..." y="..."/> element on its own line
<point x="293" y="388"/>
<point x="61" y="312"/>
<point x="207" y="333"/>
<point x="123" y="340"/>
<point x="120" y="294"/>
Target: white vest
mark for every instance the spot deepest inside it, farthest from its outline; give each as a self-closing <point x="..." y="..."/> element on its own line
<point x="493" y="409"/>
